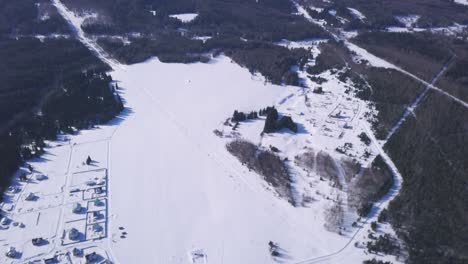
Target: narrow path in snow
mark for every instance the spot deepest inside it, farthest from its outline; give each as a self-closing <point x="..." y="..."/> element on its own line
<point x="75" y="25"/>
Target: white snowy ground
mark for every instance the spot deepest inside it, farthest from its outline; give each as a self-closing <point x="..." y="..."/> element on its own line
<point x="183" y="191"/>
<point x="171" y="185"/>
<point x="185" y="18"/>
<point x="463" y="2"/>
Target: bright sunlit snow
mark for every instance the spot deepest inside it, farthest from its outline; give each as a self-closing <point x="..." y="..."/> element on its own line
<point x="185" y="18"/>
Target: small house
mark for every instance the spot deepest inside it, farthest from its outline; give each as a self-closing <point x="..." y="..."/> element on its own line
<point x="92" y="257"/>
<point x="38" y="241"/>
<point x="31" y="197"/>
<point x="73" y="234"/>
<point x="77" y="252"/>
<point x="97" y="228"/>
<point x="40" y="177"/>
<point x="11" y="253"/>
<point x="77" y="208"/>
<point x="4" y="221"/>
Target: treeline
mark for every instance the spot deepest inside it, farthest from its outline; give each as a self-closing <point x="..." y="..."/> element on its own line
<point x="262" y="20"/>
<point x="274" y="123"/>
<point x="244" y="30"/>
<point x="430" y="213"/>
<point x="47" y="88"/>
<point x="254" y="20"/>
<point x="380" y="14"/>
<point x="455" y="79"/>
<point x="274" y="62"/>
<point x="422" y="54"/>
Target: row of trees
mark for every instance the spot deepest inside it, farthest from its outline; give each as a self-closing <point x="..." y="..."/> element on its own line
<point x="273" y="123"/>
<point x="241" y="116"/>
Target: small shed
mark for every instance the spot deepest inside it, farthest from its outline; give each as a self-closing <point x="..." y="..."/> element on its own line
<point x="11" y="252"/>
<point x="77" y="208"/>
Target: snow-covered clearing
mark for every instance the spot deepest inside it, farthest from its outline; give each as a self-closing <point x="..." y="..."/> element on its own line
<point x="185" y="18"/>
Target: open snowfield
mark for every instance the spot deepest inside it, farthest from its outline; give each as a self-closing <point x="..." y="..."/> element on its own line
<point x="161" y="187"/>
<point x="183" y="191"/>
<point x="174" y="189"/>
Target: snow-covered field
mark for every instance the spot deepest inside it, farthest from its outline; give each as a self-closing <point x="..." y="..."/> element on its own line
<point x="172" y="185"/>
<point x="161" y="187"/>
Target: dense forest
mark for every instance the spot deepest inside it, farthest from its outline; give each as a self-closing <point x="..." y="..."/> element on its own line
<point x="431" y="212"/>
<point x="30" y="17"/>
<point x="48" y="86"/>
<point x="381" y="14"/>
<point x="67" y="88"/>
<point x="422" y="54"/>
<point x="242" y="29"/>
